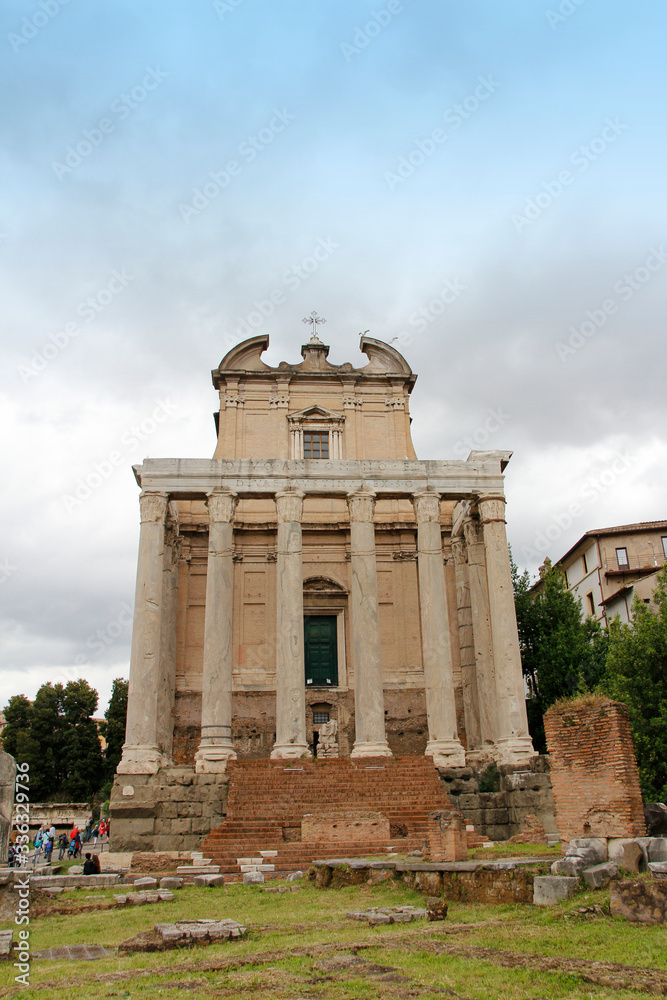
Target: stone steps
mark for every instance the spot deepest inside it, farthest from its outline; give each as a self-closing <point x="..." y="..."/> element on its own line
<point x="267" y="799"/>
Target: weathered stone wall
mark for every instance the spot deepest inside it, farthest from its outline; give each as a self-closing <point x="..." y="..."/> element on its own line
<point x="640" y="901"/>
<point x="519" y="791"/>
<point x="7" y="780"/>
<point x="447" y="836"/>
<point x="594" y="770"/>
<point x="172" y="810"/>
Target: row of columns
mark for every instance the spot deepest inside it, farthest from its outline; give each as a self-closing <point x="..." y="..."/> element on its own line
<point x="493" y="686"/>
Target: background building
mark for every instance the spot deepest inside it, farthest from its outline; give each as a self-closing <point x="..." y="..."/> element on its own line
<point x="608" y="567"/>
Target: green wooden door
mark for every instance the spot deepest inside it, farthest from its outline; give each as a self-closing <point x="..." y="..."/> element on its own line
<point x="321" y="650"/>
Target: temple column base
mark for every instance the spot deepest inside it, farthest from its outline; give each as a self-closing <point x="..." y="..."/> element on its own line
<point x="213" y="759"/>
<point x="375" y="749"/>
<point x="141" y="759"/>
<point x="446" y="753"/>
<point x="290" y="751"/>
<point x="515" y="750"/>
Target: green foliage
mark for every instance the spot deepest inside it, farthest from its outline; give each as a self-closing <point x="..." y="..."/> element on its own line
<point x="113" y="729"/>
<point x="489" y="780"/>
<point x="637" y="675"/>
<point x="561" y="655"/>
<point x="56" y="736"/>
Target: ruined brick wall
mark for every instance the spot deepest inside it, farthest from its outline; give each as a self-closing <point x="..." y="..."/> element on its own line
<point x="594" y="772"/>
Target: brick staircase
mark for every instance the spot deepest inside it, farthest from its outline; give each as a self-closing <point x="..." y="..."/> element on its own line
<point x="268" y="799"/>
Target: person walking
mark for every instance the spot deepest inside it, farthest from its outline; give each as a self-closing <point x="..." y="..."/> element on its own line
<point x="62" y="846"/>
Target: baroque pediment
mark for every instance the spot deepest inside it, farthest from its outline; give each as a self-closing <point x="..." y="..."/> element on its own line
<point x="316" y="413"/>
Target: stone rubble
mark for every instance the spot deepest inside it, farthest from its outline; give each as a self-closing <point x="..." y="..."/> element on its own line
<point x="388" y="914"/>
<point x="140" y="898"/>
<point x="185" y="931"/>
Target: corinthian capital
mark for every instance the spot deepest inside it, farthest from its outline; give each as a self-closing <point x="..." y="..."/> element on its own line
<point x="361" y="505"/>
<point x="289" y="505"/>
<point x="153" y="506"/>
<point x="427" y="506"/>
<point x="221" y="506"/>
<point x="491" y="508"/>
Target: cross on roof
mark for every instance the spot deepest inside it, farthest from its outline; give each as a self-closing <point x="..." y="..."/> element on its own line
<point x="315" y="320"/>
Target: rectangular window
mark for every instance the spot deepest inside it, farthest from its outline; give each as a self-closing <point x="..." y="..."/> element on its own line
<point x="315" y="444"/>
<point x="622" y="558"/>
<point x="585" y="564"/>
<point x="591" y="604"/>
<point x="320" y="717"/>
<point x="664" y="546"/>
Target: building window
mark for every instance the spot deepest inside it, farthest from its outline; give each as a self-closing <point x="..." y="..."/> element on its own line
<point x="315" y="444"/>
<point x="664" y="546"/>
<point x="591" y="604"/>
<point x="320" y="717"/>
<point x="585" y="564"/>
<point x="622" y="558"/>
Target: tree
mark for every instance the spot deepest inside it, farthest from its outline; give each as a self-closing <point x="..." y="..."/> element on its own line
<point x="637" y="675"/>
<point x="560" y="653"/>
<point x="17" y="738"/>
<point x="82" y="752"/>
<point x="113" y="729"/>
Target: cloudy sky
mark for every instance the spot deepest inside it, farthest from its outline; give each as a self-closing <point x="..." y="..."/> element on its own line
<point x="485" y="183"/>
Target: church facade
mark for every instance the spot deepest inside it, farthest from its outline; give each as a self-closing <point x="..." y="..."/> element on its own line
<point x="316" y="590"/>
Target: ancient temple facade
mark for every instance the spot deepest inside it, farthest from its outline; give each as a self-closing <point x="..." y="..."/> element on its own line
<point x="315" y="589"/>
<point x="315" y="571"/>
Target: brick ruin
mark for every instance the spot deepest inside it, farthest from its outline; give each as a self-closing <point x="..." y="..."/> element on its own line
<point x="594" y="772"/>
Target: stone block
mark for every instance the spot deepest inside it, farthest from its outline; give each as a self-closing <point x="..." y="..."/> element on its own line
<point x="165" y="810"/>
<point x="201" y="825"/>
<point x="171" y="882"/>
<point x="209" y="880"/>
<point x="293" y="876"/>
<point x="429" y="883"/>
<point x="253" y="878"/>
<point x="658" y="870"/>
<point x="164" y="896"/>
<point x="642" y="902"/>
<point x="180" y="826"/>
<point x="569" y="867"/>
<point x="599" y="876"/>
<point x="549" y="890"/>
<point x="190" y="809"/>
<point x="596" y="845"/>
<point x="657" y="848"/>
<point x="145" y="883"/>
<point x="628" y="854"/>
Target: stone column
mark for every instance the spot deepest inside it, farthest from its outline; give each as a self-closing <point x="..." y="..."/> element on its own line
<point x="215" y="747"/>
<point x="141" y="752"/>
<point x="370" y="738"/>
<point x="513" y="742"/>
<point x="466" y="648"/>
<point x="443" y="744"/>
<point x="481" y="630"/>
<point x="290" y="670"/>
<point x="167" y="691"/>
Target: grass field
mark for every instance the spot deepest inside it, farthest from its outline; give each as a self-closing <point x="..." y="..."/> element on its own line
<point x="301" y="945"/>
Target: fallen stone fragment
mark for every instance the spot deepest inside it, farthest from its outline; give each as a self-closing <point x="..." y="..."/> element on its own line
<point x="571" y="867"/>
<point x="253" y="878"/>
<point x="209" y="880"/>
<point x="548" y="890"/>
<point x="658" y="870"/>
<point x="171" y="882"/>
<point x="388" y="914"/>
<point x="596" y="845"/>
<point x="628" y="854"/>
<point x="599" y="876"/>
<point x="293" y="876"/>
<point x="641" y="902"/>
<point x="657" y="849"/>
<point x="145" y="883"/>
